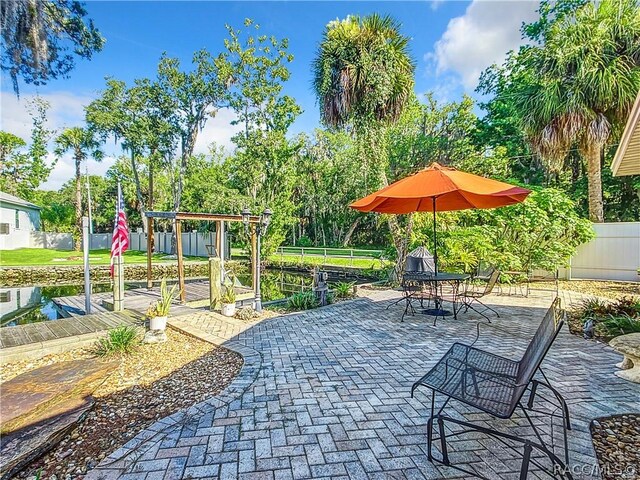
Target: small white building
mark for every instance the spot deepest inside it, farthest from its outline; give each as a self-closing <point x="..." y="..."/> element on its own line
<point x="18" y="219"/>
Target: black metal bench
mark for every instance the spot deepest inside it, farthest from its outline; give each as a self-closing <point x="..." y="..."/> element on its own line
<point x="496" y="385"/>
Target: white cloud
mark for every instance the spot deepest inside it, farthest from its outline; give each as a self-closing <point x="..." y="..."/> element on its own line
<point x="217" y="130"/>
<point x="435" y="4"/>
<point x="481" y="37"/>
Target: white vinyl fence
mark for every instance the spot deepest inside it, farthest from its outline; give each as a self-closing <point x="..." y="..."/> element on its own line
<point x="614" y="254"/>
<point x="53" y="241"/>
<point x="194" y="244"/>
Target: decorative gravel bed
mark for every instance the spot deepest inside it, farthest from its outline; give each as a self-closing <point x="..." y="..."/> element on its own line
<point x="617" y="443"/>
<point x="156" y="381"/>
<point x="611" y="290"/>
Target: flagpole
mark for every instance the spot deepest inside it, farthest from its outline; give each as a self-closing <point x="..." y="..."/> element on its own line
<point x="118" y="271"/>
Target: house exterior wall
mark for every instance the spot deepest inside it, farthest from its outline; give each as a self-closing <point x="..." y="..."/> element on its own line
<point x="22" y="222"/>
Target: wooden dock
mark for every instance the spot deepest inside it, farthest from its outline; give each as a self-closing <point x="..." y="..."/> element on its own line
<point x="137" y="300"/>
<point x="38" y="333"/>
<point x="77" y="328"/>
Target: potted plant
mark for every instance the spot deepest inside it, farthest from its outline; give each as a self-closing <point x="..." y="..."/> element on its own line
<point x="158" y="312"/>
<point x="228" y="301"/>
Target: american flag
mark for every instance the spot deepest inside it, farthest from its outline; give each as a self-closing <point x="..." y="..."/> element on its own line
<point x="120" y="239"/>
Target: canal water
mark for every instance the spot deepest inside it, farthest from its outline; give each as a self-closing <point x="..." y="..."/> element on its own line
<point x="29" y="304"/>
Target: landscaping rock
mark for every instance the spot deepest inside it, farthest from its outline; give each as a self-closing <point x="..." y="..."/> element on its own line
<point x="51" y="274"/>
<point x="617" y="444"/>
<point x="155" y="336"/>
<point x="49" y="391"/>
<point x="23" y="446"/>
<point x="40" y="407"/>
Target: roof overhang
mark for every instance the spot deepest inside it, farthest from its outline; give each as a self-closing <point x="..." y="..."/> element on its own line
<point x="627" y="158"/>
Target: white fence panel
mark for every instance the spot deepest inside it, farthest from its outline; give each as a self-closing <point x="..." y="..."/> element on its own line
<point x="100" y="241"/>
<point x="53" y="241"/>
<point x="614" y="254"/>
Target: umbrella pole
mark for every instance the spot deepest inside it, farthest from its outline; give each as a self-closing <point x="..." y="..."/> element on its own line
<point x="435" y="246"/>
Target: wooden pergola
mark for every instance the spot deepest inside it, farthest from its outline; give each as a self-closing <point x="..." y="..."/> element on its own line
<point x="220" y="219"/>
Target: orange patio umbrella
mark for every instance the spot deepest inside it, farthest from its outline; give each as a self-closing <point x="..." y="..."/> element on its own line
<point x="440" y="189"/>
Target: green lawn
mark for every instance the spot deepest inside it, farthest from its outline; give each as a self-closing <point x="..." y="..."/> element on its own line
<point x="240" y="254"/>
<point x="319" y="260"/>
<point x="43" y="256"/>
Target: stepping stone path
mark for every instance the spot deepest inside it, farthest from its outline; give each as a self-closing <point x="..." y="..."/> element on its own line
<point x="39" y="407"/>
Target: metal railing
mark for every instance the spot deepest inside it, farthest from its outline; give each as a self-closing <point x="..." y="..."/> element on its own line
<point x="326" y="253"/>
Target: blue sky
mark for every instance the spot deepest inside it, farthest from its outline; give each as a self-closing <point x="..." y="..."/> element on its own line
<point x="452" y="42"/>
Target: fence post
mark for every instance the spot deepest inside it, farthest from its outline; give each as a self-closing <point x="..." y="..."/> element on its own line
<point x="351" y="259"/>
<point x="325" y="256"/>
<point x="302" y="249"/>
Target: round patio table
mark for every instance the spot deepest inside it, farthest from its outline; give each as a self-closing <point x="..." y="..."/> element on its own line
<point x="436" y="281"/>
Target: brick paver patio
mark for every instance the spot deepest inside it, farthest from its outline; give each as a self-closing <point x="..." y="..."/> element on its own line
<point x="325" y="394"/>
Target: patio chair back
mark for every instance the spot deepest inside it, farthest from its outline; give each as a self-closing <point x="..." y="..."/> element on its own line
<point x="493" y="279"/>
<point x="539" y="345"/>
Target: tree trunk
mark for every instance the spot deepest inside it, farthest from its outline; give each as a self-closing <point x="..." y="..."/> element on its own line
<point x="150" y="206"/>
<point x="78" y="239"/>
<point x="136" y="180"/>
<point x="352" y="228"/>
<point x="401" y="237"/>
<point x="593" y="154"/>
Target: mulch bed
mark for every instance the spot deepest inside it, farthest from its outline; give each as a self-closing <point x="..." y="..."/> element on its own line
<point x="596" y="288"/>
<point x="617" y="444"/>
<point x="154" y="382"/>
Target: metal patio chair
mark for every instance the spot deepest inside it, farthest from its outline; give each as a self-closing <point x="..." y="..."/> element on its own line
<point x="496" y="385"/>
<point x="470" y="296"/>
<point x="413" y="289"/>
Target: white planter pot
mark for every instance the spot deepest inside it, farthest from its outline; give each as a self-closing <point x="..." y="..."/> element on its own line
<point x="228" y="309"/>
<point x="158" y="323"/>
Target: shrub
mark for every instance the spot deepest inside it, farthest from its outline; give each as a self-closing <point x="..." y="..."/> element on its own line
<point x="343" y="289"/>
<point x="592" y="308"/>
<point x="304" y="241"/>
<point x="610" y="319"/>
<point x="627" y="306"/>
<point x="123" y="340"/>
<point x="615" y="325"/>
<point x="302" y="301"/>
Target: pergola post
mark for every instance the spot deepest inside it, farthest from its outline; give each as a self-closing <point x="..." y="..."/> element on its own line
<point x="255" y="268"/>
<point x="183" y="295"/>
<point x="218" y="237"/>
<point x="149" y="252"/>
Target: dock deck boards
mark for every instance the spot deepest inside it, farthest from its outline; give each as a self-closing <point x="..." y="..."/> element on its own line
<point x="101" y="318"/>
<point x="20" y="335"/>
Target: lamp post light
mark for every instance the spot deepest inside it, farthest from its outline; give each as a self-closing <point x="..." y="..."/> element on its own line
<point x="261" y="229"/>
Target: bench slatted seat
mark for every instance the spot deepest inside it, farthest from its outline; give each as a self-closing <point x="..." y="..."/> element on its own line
<point x="496" y="385"/>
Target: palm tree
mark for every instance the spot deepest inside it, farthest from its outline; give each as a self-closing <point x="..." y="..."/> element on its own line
<point x="364" y="79"/>
<point x="588" y="76"/>
<point x="82" y="143"/>
<point x="363" y="72"/>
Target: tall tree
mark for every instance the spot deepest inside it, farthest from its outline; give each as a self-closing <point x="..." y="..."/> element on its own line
<point x="38" y="34"/>
<point x="363" y="72"/>
<point x="190" y="98"/>
<point x="263" y="167"/>
<point x="364" y="78"/>
<point x="82" y="144"/>
<point x="135" y="116"/>
<point x="23" y="168"/>
<point x="587" y="76"/>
